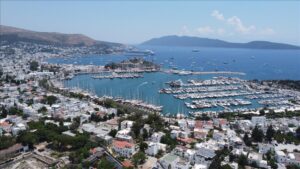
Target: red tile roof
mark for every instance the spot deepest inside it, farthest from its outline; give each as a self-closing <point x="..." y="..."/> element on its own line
<point x="186" y="140"/>
<point x="5" y="124"/>
<point x="127" y="163"/>
<point x="122" y="144"/>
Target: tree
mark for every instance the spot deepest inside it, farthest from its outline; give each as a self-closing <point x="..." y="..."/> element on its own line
<point x="227" y="166"/>
<point x="15" y="111"/>
<point x="262" y="112"/>
<point x="51" y="99"/>
<point x="105" y="164"/>
<point x="247" y="140"/>
<point x="138" y="158"/>
<point x="145" y="134"/>
<point x="28" y="138"/>
<point x="1" y="72"/>
<point x="270" y="156"/>
<point x="257" y="134"/>
<point x="143" y="146"/>
<point x="42" y="110"/>
<point x="75" y="124"/>
<point x="155" y="121"/>
<point x="6" y="141"/>
<point x="4" y="112"/>
<point x="270" y="133"/>
<point x="298" y="133"/>
<point x="242" y="161"/>
<point x="33" y="65"/>
<point x="168" y="140"/>
<point x="279" y="136"/>
<point x="113" y="132"/>
<point x="137" y="125"/>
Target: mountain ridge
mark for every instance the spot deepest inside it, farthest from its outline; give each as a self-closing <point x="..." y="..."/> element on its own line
<point x="174" y="40"/>
<point x="13" y="34"/>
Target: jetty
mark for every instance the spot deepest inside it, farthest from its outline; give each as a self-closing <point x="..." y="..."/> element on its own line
<point x="187" y="72"/>
<point x="118" y="75"/>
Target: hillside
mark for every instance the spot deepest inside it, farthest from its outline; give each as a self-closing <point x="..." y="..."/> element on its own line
<point x="205" y="42"/>
<point x="13" y="34"/>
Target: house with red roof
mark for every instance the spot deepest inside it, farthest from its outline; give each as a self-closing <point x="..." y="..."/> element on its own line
<point x="5" y="126"/>
<point x="123" y="148"/>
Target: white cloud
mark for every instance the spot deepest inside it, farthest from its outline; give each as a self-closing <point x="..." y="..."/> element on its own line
<point x="239" y="26"/>
<point x="267" y="31"/>
<point x="217" y="15"/>
<point x="205" y="30"/>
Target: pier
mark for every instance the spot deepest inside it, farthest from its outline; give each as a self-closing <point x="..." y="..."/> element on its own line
<point x="187" y="72"/>
<point x="117" y="75"/>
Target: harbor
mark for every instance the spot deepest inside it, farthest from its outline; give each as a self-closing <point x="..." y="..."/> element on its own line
<point x="228" y="95"/>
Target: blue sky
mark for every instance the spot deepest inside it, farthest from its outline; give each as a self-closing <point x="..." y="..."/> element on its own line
<point x="136" y="21"/>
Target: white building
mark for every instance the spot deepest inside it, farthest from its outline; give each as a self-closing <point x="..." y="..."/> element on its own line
<point x="154" y="147"/>
<point x="182" y="165"/>
<point x="280" y="157"/>
<point x="258" y="120"/>
<point x="168" y="161"/>
<point x="156" y="137"/>
<point x="126" y="124"/>
<point x="204" y="155"/>
<point x="264" y="148"/>
<point x="175" y="133"/>
<point x="16" y="129"/>
<point x="182" y="124"/>
<point x="123" y="148"/>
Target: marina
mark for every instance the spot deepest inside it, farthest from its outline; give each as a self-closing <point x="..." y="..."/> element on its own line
<point x="225" y="95"/>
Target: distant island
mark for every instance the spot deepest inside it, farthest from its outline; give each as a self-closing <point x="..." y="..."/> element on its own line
<point x="206" y="42"/>
<point x="12" y="34"/>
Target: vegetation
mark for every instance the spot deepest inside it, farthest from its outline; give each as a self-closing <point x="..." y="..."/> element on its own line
<point x="4" y="112"/>
<point x="220" y="155"/>
<point x="143" y="146"/>
<point x="138" y="158"/>
<point x="242" y="160"/>
<point x="287" y="84"/>
<point x="257" y="134"/>
<point x="6" y="141"/>
<point x="247" y="140"/>
<point x="168" y="140"/>
<point x="132" y="63"/>
<point x="50" y="100"/>
<point x="155" y="122"/>
<point x="51" y="133"/>
<point x="113" y="132"/>
<point x="270" y="157"/>
<point x="105" y="164"/>
<point x="33" y="65"/>
<point x="271" y="114"/>
<point x="42" y="110"/>
<point x="15" y="111"/>
<point x="270" y="133"/>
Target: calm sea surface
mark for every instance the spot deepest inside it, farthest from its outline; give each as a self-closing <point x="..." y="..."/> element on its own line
<point x="257" y="64"/>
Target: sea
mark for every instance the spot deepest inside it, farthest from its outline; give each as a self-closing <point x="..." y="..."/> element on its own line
<point x="260" y="64"/>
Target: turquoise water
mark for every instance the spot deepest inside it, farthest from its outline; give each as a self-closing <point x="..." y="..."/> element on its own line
<point x="257" y="64"/>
